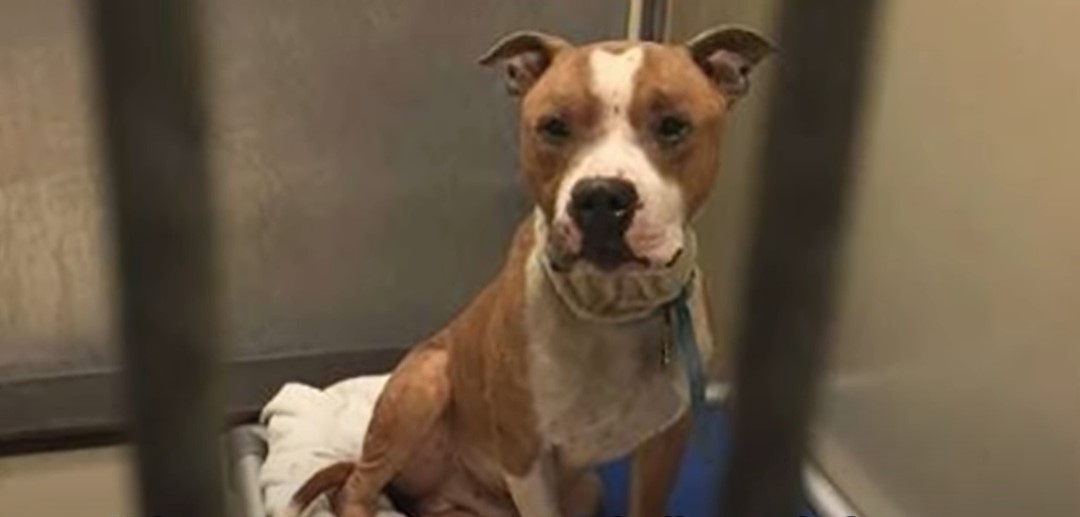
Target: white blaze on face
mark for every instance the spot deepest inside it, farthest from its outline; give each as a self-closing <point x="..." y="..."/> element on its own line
<point x="656" y="232"/>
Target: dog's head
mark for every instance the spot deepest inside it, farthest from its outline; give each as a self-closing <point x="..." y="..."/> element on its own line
<point x="619" y="140"/>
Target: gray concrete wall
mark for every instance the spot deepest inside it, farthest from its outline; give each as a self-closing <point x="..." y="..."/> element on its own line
<point x="54" y="284"/>
<point x="364" y="172"/>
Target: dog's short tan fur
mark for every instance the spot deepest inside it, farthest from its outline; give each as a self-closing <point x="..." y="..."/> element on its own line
<point x="506" y="411"/>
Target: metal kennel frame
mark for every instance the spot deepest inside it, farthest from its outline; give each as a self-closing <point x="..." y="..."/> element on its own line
<point x="152" y="104"/>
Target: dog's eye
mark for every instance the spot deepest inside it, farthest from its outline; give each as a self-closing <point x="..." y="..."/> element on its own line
<point x="672" y="129"/>
<point x="554" y="129"/>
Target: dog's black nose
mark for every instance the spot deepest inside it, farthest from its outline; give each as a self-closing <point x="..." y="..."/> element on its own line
<point x="603" y="205"/>
<point x="602" y="209"/>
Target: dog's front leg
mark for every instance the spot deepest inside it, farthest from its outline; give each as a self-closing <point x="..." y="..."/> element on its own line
<point x="655" y="465"/>
<point x="535" y="493"/>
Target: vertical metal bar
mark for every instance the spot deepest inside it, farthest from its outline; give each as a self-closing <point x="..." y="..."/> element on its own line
<point x="150" y="91"/>
<point x="806" y="172"/>
<point x="633" y="19"/>
<point x="651" y="20"/>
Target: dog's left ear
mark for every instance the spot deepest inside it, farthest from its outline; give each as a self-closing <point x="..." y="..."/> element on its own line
<point x="727" y="55"/>
<point x="526" y="55"/>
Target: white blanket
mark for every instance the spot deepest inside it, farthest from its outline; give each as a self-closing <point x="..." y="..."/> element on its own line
<point x="308" y="429"/>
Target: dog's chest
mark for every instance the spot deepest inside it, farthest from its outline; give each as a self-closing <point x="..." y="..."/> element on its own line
<point x="600" y="389"/>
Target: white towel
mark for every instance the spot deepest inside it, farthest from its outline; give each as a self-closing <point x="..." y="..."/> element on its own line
<point x="308" y="429"/>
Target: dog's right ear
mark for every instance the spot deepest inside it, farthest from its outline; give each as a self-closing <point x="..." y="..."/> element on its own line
<point x="525" y="55"/>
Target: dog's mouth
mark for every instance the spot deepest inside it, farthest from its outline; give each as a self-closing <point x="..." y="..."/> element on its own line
<point x="610" y="254"/>
<point x="610" y="259"/>
<point x="627" y="250"/>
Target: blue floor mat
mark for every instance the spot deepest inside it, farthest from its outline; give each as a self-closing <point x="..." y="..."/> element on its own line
<point x="700" y="477"/>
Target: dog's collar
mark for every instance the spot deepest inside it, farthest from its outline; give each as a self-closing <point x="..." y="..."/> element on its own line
<point x="593" y="295"/>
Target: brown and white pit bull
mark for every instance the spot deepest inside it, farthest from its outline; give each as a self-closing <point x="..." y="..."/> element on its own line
<point x="564" y="360"/>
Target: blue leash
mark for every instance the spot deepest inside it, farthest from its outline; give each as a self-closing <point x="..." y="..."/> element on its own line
<point x="686" y="347"/>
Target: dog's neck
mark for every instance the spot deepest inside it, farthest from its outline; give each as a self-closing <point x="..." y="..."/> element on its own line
<point x="594" y="295"/>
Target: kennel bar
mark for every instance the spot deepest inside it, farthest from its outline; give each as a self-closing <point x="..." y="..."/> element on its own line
<point x="806" y="169"/>
<point x="648" y="20"/>
<point x="149" y="79"/>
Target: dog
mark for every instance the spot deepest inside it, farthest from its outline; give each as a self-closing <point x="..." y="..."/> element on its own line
<point x="567" y="358"/>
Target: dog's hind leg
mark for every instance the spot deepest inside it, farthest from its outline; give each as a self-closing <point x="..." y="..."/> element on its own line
<point x="411" y="404"/>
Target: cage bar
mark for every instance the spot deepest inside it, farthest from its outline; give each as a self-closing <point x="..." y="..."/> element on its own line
<point x="147" y="57"/>
<point x="806" y="171"/>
